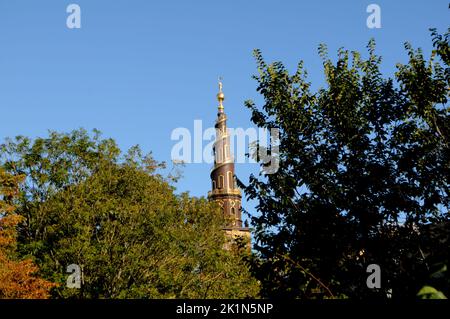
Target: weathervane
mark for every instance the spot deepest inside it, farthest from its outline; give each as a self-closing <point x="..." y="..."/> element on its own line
<point x="220" y="84"/>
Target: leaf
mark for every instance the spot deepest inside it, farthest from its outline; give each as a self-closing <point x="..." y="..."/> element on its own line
<point x="428" y="292"/>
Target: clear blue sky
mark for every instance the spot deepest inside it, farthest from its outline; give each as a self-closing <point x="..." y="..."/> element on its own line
<point x="136" y="70"/>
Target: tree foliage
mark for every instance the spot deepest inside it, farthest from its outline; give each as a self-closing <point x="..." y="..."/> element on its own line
<point x="363" y="177"/>
<point x="119" y="220"/>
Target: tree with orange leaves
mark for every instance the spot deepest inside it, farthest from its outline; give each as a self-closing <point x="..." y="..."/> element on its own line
<point x="17" y="277"/>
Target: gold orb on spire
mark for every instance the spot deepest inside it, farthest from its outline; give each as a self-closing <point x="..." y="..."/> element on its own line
<point x="220" y="95"/>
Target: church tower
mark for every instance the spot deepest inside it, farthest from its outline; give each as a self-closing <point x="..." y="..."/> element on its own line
<point x="224" y="187"/>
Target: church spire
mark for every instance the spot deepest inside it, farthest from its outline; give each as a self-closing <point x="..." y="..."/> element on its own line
<point x="224" y="189"/>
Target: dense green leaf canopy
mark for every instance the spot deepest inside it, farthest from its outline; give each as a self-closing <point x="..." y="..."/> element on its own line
<point x="120" y="221"/>
<point x="363" y="177"/>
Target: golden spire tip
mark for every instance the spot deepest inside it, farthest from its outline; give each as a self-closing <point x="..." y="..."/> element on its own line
<point x="220" y="95"/>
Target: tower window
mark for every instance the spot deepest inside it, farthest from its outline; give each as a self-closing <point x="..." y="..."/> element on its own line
<point x="230" y="180"/>
<point x="233" y="215"/>
<point x="220" y="156"/>
<point x="221" y="181"/>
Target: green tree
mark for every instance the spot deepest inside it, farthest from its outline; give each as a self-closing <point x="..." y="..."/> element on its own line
<point x="119" y="220"/>
<point x="363" y="176"/>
